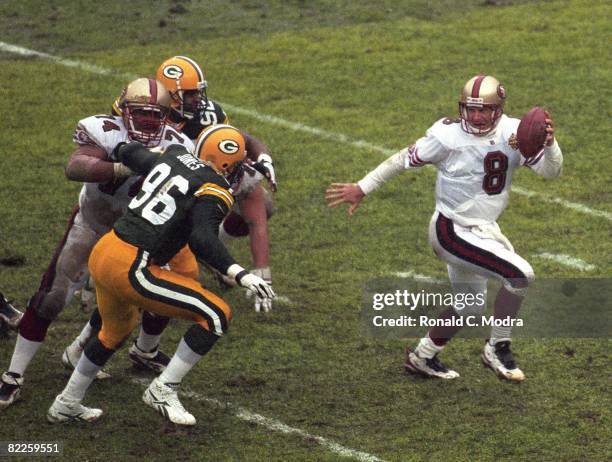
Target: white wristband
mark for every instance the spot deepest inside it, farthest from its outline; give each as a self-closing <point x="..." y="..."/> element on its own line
<point x="234" y="270"/>
<point x="264" y="157"/>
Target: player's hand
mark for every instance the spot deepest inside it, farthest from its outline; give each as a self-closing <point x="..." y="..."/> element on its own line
<point x="339" y="193"/>
<point x="550" y="130"/>
<point x="257" y="285"/>
<point x="261" y="303"/>
<point x="265" y="166"/>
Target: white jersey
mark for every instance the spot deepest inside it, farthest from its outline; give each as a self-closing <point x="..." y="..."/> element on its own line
<point x="474" y="172"/>
<point x="102" y="204"/>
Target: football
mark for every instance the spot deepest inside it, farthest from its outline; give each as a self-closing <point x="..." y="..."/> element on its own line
<point x="531" y="133"/>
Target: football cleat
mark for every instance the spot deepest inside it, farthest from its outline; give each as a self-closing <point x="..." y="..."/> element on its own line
<point x="499" y="359"/>
<point x="155" y="360"/>
<point x="71" y="356"/>
<point x="163" y="397"/>
<point x="63" y="410"/>
<point x="8" y="313"/>
<point x="10" y="388"/>
<point x="428" y="367"/>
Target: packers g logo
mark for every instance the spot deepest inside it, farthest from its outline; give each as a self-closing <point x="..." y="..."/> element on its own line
<point x="173" y="72"/>
<point x="229" y="146"/>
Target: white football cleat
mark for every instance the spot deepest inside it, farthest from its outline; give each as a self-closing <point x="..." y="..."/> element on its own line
<point x="66" y="411"/>
<point x="499" y="358"/>
<point x="9" y="314"/>
<point x="164" y="399"/>
<point x="429" y="367"/>
<point x="10" y="388"/>
<point x="71" y="356"/>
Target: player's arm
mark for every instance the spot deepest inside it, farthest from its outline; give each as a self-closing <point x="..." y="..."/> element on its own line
<point x="206" y="216"/>
<point x="427" y="150"/>
<point x="90" y="163"/>
<point x="204" y="242"/>
<point x="137" y="158"/>
<point x="258" y="152"/>
<point x="353" y="193"/>
<point x="549" y="162"/>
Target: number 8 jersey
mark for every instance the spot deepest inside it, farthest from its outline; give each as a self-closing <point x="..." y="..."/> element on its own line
<point x="474" y="172"/>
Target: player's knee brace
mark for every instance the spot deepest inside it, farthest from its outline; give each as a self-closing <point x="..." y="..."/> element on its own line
<point x="199" y="339"/>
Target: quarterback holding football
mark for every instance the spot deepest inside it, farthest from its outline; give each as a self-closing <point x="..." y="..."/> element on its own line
<point x="475" y="156"/>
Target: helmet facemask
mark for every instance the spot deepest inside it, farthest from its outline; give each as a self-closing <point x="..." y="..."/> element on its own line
<point x="145" y="122"/>
<point x="482" y="92"/>
<point x="189" y="103"/>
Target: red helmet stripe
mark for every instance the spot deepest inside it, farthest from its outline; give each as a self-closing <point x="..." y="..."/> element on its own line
<point x="476" y="87"/>
<point x="153" y="91"/>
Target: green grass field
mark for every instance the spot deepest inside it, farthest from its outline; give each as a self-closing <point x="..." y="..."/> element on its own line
<point x="330" y="86"/>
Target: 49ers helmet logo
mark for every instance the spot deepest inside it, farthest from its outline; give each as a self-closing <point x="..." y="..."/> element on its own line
<point x="229" y="146"/>
<point x="173" y="71"/>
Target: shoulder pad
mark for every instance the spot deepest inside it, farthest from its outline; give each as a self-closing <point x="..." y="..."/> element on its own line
<point x="216" y="186"/>
<point x="104" y="131"/>
<point x="508" y="126"/>
<point x="172" y="136"/>
<point x="446" y="130"/>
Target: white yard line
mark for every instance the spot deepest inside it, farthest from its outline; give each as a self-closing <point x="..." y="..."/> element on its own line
<point x="339" y="137"/>
<point x="418" y="277"/>
<point x="567" y="260"/>
<point x="275" y="425"/>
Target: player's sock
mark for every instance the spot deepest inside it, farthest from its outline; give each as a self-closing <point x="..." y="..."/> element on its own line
<point x="427" y="348"/>
<point x="196" y="342"/>
<point x="22" y="355"/>
<point x="507" y="305"/>
<point x="180" y="364"/>
<point x="78" y="384"/>
<point x="441" y="335"/>
<point x="92" y="360"/>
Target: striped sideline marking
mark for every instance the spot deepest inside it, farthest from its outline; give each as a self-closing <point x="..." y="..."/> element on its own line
<point x="275" y="425"/>
<point x="333" y="136"/>
<point x="567" y="260"/>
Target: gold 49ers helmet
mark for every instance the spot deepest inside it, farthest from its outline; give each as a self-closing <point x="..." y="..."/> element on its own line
<point x="144" y="106"/>
<point x="222" y="147"/>
<point x="185" y="81"/>
<point x="482" y="91"/>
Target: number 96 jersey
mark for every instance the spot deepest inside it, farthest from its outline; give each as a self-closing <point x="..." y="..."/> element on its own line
<point x="474" y="172"/>
<point x="102" y="203"/>
<point x="180" y="196"/>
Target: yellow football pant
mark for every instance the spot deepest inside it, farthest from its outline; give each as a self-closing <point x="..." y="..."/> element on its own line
<point x="127" y="281"/>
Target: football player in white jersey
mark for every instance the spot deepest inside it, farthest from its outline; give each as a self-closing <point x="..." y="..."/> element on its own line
<point x="475" y="156"/>
<point x="108" y="188"/>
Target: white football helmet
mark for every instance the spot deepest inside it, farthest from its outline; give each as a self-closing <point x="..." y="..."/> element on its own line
<point x="144" y="106"/>
<point x="482" y="91"/>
